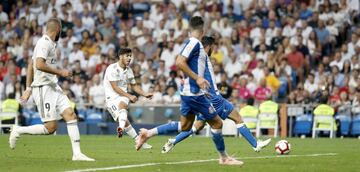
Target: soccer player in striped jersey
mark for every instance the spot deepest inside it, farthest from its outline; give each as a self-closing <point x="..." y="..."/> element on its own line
<point x="223" y="108"/>
<point x="192" y="61"/>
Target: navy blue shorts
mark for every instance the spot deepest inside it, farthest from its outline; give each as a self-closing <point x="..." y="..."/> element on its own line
<point x="222" y="106"/>
<point x="197" y="105"/>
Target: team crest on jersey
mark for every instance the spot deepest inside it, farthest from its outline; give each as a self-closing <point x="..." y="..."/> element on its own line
<point x="189" y="48"/>
<point x="211" y="109"/>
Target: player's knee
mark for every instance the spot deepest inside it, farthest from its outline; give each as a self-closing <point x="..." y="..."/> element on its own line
<point x="185" y="127"/>
<point x="69" y="115"/>
<point x="51" y="127"/>
<point x="123" y="105"/>
<point x="238" y="119"/>
<point x="235" y="116"/>
<point x="200" y="127"/>
<point x="217" y="124"/>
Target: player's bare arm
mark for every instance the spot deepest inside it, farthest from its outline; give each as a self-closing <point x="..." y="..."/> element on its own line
<point x="141" y="92"/>
<point x="183" y="66"/>
<point x="42" y="66"/>
<point x="29" y="80"/>
<point x="122" y="92"/>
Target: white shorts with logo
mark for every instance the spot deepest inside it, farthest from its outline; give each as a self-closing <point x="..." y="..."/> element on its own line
<point x="51" y="102"/>
<point x="112" y="105"/>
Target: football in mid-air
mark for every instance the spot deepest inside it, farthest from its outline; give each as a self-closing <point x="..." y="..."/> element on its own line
<point x="282" y="147"/>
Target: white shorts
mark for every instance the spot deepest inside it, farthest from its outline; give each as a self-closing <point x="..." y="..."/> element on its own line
<point x="112" y="105"/>
<point x="51" y="102"/>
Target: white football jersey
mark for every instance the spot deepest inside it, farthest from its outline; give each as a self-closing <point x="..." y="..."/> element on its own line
<point x="44" y="48"/>
<point x="123" y="77"/>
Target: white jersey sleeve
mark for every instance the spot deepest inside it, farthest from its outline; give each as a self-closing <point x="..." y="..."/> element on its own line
<point x="42" y="50"/>
<point x="111" y="74"/>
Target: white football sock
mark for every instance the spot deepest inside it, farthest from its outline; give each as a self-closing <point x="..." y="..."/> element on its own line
<point x="131" y="131"/>
<point x="73" y="132"/>
<point x="38" y="129"/>
<point x="122" y="118"/>
<point x="194" y="129"/>
<point x="153" y="132"/>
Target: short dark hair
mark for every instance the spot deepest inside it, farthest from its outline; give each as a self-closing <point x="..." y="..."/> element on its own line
<point x="196" y="23"/>
<point x="11" y="95"/>
<point x="207" y="41"/>
<point x="125" y="50"/>
<point x="250" y="101"/>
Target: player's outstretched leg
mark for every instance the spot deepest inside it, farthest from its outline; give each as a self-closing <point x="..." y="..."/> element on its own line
<point x="244" y="131"/>
<point x="73" y="132"/>
<point x="129" y="129"/>
<point x="122" y="118"/>
<point x="169" y="145"/>
<point x="145" y="134"/>
<point x="16" y="131"/>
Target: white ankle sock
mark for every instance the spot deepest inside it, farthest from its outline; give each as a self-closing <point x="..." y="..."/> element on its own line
<point x="131" y="131"/>
<point x="122" y="118"/>
<point x="38" y="129"/>
<point x="153" y="132"/>
<point x="73" y="132"/>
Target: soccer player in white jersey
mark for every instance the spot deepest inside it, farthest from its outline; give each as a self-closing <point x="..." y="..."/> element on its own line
<point x="49" y="98"/>
<point x="116" y="80"/>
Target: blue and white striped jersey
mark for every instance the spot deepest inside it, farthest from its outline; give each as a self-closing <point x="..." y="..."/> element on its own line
<point x="210" y="77"/>
<point x="196" y="56"/>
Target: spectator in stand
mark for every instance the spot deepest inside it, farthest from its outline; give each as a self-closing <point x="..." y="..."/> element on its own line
<point x="296" y="61"/>
<point x="258" y="72"/>
<point x="262" y="92"/>
<point x="171" y="97"/>
<point x="158" y="96"/>
<point x="356" y="104"/>
<point x="145" y="83"/>
<point x="77" y="88"/>
<point x="168" y="55"/>
<point x="77" y="54"/>
<point x="310" y="85"/>
<point x="233" y="66"/>
<point x="338" y="61"/>
<point x="339" y="78"/>
<point x="244" y="93"/>
<point x="224" y="88"/>
<point x="96" y="92"/>
<point x="294" y="39"/>
<point x="272" y="80"/>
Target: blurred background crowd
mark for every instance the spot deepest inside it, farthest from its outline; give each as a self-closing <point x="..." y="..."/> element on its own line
<point x="291" y="51"/>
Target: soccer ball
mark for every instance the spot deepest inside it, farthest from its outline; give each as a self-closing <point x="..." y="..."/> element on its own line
<point x="282" y="147"/>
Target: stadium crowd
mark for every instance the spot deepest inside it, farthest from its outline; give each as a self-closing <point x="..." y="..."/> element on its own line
<point x="293" y="51"/>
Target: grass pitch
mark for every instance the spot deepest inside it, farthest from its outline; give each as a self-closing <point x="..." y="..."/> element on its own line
<point x="53" y="153"/>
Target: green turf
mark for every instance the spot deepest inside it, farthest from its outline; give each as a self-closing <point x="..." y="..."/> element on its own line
<point x="53" y="153"/>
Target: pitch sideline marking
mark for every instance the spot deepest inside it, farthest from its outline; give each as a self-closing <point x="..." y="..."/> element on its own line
<point x="193" y="161"/>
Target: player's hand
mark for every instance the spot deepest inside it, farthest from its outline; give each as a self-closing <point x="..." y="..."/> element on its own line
<point x="25" y="97"/>
<point x="207" y="94"/>
<point x="202" y="83"/>
<point x="133" y="98"/>
<point x="149" y="95"/>
<point x="65" y="73"/>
